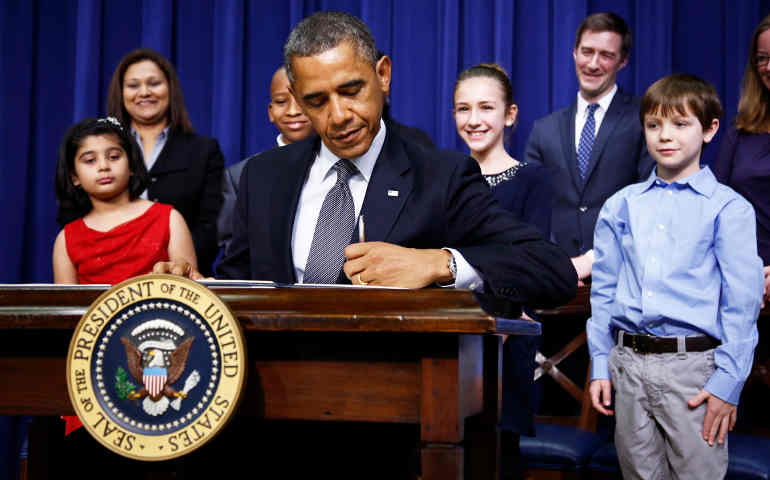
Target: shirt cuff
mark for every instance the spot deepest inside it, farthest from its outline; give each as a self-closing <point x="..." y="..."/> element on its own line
<point x="467" y="276"/>
<point x="600" y="369"/>
<point x="725" y="387"/>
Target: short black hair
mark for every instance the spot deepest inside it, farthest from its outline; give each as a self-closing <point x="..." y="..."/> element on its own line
<point x="324" y="31"/>
<point x="74" y="201"/>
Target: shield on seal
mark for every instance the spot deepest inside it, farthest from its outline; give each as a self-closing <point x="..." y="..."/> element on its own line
<point x="154" y="379"/>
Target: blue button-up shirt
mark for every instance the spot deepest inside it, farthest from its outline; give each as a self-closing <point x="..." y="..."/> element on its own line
<point x="678" y="259"/>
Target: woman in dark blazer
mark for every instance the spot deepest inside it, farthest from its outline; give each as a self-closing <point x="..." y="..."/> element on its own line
<point x="743" y="162"/>
<point x="185" y="168"/>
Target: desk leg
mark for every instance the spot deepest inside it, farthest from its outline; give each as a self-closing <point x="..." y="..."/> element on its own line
<point x="441" y="455"/>
<point x="442" y="461"/>
<point x="482" y="433"/>
<point x="41" y="429"/>
<point x="455" y="390"/>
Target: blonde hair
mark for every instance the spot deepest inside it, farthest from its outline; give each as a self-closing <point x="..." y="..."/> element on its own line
<point x="754" y="105"/>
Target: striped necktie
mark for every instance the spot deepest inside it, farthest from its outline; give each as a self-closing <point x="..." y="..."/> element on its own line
<point x="586" y="141"/>
<point x="333" y="230"/>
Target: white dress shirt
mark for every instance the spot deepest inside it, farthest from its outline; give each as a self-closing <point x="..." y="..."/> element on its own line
<point x="321" y="179"/>
<point x="581" y="113"/>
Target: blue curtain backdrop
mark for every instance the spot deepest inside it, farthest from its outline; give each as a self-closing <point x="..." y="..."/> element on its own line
<point x="57" y="57"/>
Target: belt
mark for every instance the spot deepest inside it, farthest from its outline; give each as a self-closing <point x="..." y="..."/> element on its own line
<point x="652" y="344"/>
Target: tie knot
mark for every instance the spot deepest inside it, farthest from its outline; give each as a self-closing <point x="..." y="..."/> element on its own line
<point x="345" y="169"/>
<point x="592" y="108"/>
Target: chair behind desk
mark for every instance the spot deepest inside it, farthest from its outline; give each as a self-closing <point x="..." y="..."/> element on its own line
<point x="563" y="446"/>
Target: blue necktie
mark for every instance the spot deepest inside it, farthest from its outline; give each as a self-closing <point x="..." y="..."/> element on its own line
<point x="586" y="141"/>
<point x="333" y="230"/>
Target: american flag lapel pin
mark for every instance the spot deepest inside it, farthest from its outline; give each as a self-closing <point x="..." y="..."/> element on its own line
<point x="392" y="193"/>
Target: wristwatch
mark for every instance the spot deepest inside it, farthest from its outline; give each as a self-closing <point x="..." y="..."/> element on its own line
<point x="452" y="266"/>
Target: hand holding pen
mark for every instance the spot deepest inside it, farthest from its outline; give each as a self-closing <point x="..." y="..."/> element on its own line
<point x="385" y="264"/>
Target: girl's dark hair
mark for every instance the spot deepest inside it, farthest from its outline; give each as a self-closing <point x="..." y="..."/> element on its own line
<point x="178" y="119"/>
<point x="74" y="201"/>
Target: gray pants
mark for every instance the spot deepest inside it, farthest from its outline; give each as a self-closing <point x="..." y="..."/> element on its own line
<point x="657" y="435"/>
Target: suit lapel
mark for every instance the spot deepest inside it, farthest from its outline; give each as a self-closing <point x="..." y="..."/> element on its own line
<point x="285" y="198"/>
<point x="388" y="189"/>
<point x="165" y="162"/>
<point x="567" y="135"/>
<point x="618" y="108"/>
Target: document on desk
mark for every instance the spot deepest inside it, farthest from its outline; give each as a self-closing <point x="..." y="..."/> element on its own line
<point x="103" y="286"/>
<point x="209" y="282"/>
<point x="342" y="285"/>
<point x="54" y="286"/>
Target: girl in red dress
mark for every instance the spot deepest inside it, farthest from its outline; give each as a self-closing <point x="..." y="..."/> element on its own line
<point x="111" y="234"/>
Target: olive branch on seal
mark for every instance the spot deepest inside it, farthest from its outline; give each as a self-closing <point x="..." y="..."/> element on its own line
<point x="122" y="384"/>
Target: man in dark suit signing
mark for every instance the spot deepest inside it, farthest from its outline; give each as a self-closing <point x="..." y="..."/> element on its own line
<point x="594" y="147"/>
<point x="429" y="215"/>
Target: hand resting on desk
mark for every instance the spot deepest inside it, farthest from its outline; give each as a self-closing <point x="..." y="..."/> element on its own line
<point x="179" y="267"/>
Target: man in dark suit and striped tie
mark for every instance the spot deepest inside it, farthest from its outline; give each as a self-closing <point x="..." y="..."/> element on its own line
<point x="594" y="147"/>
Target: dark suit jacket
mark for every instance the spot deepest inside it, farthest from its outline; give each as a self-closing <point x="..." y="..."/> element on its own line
<point x="232" y="176"/>
<point x="230" y="179"/>
<point x="188" y="175"/>
<point x="442" y="201"/>
<point x="412" y="134"/>
<point x="619" y="158"/>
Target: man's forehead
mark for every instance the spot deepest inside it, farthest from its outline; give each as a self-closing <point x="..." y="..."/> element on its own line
<point x="330" y="69"/>
<point x="602" y="39"/>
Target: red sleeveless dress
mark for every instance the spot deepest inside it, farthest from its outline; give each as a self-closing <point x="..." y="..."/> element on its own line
<point x="130" y="249"/>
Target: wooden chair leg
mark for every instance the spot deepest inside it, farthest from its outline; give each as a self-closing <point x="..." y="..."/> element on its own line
<point x="588" y="415"/>
<point x="548" y="365"/>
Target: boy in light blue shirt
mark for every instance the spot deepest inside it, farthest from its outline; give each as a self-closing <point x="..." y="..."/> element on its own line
<point x="677" y="287"/>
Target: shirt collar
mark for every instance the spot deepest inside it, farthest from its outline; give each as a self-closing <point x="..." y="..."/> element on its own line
<point x="604" y="103"/>
<point x="161" y="136"/>
<point x="702" y="181"/>
<point x="279" y="140"/>
<point x="364" y="163"/>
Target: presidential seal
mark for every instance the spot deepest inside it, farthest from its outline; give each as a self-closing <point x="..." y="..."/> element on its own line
<point x="156" y="367"/>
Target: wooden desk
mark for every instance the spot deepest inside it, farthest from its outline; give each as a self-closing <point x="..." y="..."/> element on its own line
<point x="428" y="357"/>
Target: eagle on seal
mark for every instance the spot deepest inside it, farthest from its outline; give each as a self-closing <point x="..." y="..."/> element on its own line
<point x="145" y="367"/>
